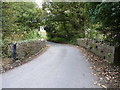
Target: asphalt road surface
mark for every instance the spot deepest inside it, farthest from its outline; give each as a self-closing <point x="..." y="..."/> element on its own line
<point x="61" y="66"/>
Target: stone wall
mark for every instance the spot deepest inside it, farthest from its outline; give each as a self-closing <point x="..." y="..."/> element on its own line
<point x="109" y="53"/>
<point x="26" y="49"/>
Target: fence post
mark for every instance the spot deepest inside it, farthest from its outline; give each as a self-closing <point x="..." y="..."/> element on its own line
<point x="14" y="51"/>
<point x="117" y="55"/>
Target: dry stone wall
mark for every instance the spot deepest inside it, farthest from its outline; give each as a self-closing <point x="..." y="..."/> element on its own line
<point x="109" y="53"/>
<point x="26" y="49"/>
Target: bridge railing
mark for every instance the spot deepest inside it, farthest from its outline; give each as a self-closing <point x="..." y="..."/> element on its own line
<point x="25" y="49"/>
<point x="108" y="52"/>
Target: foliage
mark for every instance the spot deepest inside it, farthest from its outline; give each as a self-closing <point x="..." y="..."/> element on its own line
<point x="18" y="18"/>
<point x="64" y="19"/>
<point x="96" y="20"/>
<point x="104" y="17"/>
<point x="58" y="39"/>
<point x="20" y="21"/>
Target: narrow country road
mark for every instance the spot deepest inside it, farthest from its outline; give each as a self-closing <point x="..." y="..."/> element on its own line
<point x="61" y="66"/>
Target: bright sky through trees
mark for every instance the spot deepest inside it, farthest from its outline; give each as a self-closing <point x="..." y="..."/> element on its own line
<point x="39" y="2"/>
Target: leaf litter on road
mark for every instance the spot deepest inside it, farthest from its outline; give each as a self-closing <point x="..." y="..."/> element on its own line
<point x="108" y="75"/>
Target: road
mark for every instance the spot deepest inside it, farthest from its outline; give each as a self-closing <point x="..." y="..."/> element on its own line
<point x="61" y="66"/>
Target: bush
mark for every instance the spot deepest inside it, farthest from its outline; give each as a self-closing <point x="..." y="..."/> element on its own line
<point x="73" y="41"/>
<point x="58" y="40"/>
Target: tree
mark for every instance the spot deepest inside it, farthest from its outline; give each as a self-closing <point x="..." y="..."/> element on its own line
<point x="64" y="19"/>
<point x="105" y="18"/>
<point x="18" y="19"/>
